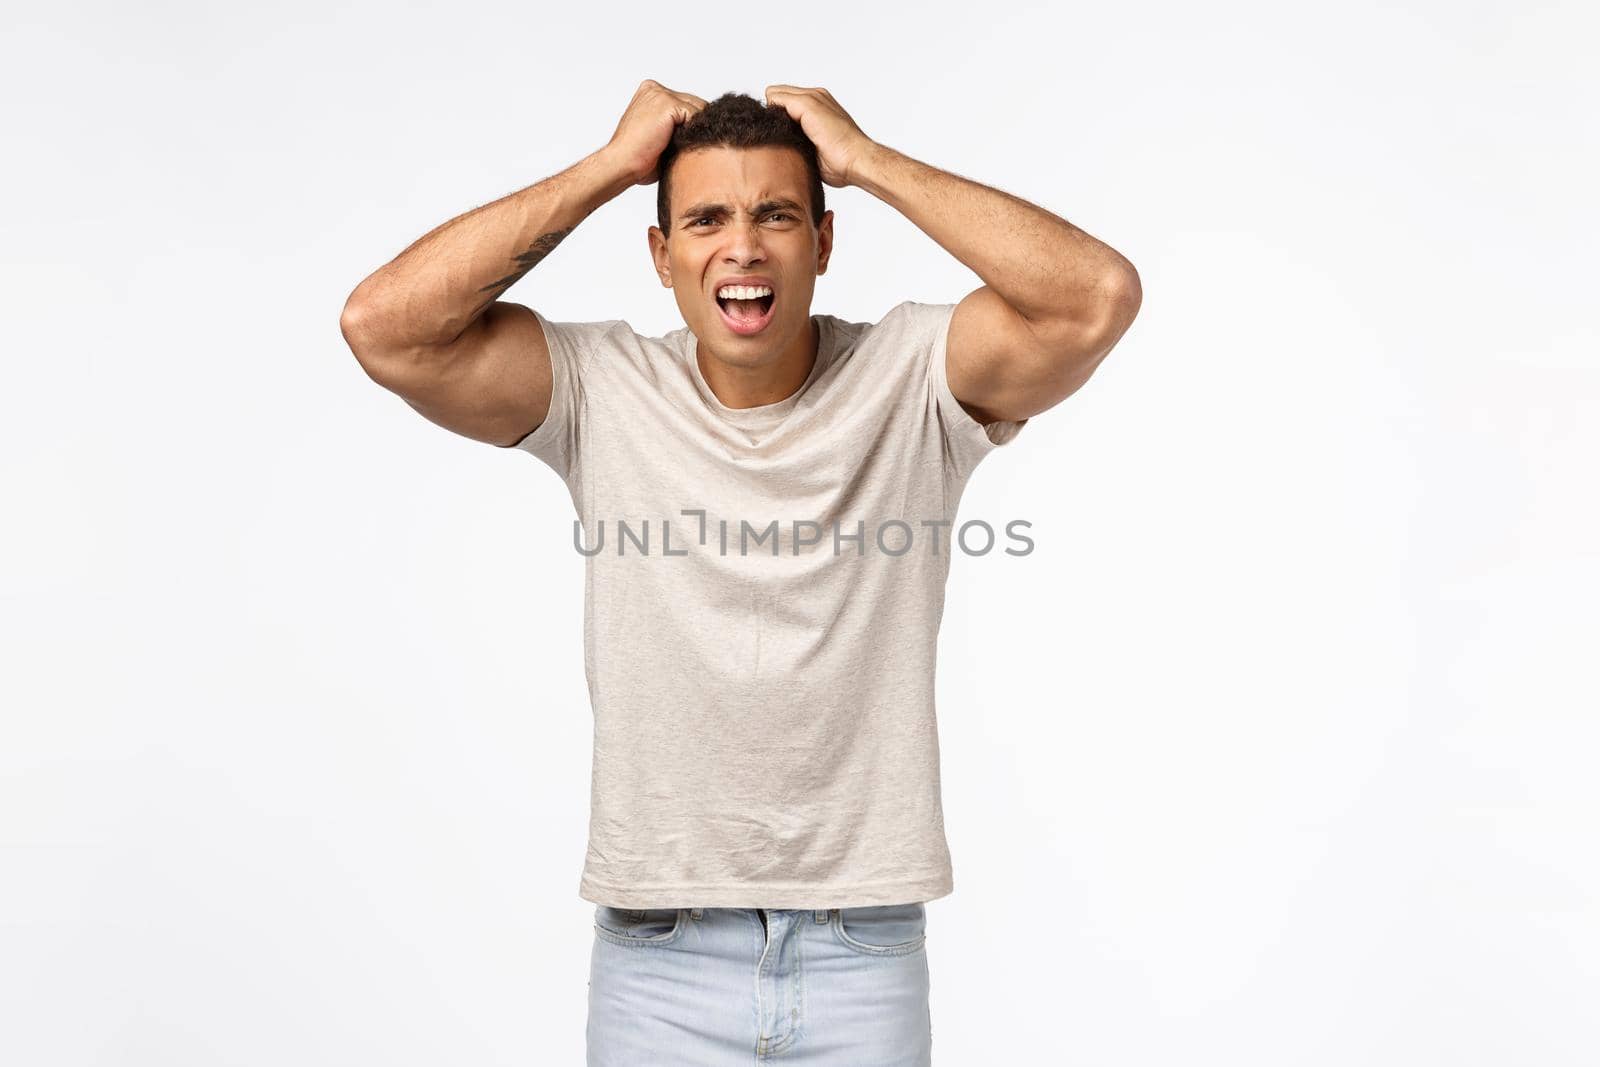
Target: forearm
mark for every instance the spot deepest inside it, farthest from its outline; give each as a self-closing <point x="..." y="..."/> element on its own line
<point x="1039" y="263"/>
<point x="430" y="293"/>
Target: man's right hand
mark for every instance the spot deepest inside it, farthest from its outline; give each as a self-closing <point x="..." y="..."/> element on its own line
<point x="646" y="129"/>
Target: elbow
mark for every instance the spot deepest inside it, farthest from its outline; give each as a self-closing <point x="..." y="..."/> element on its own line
<point x="355" y="326"/>
<point x="356" y="317"/>
<point x="1117" y="305"/>
<point x="1123" y="296"/>
<point x="360" y="320"/>
<point x="359" y="328"/>
<point x="352" y="323"/>
<point x="1127" y="294"/>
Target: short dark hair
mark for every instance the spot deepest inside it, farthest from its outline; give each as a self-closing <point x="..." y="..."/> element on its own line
<point x="737" y="120"/>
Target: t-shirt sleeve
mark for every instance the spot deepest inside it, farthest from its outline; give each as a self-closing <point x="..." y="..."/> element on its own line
<point x="572" y="347"/>
<point x="966" y="439"/>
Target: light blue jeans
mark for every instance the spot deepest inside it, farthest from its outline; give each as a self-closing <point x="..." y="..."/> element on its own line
<point x="731" y="987"/>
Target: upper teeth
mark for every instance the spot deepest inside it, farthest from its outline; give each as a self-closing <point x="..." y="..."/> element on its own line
<point x="743" y="292"/>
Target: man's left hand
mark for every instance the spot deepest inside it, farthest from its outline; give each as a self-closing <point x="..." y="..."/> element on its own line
<point x="840" y="142"/>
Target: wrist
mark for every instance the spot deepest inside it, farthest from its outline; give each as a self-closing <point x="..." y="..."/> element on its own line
<point x="866" y="168"/>
<point x="605" y="175"/>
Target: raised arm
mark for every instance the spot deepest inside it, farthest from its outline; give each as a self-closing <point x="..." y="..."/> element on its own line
<point x="429" y="325"/>
<point x="1055" y="300"/>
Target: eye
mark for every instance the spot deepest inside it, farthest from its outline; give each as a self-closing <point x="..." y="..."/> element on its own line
<point x="770" y="215"/>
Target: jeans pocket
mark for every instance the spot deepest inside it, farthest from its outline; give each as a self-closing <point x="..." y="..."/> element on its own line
<point x="882" y="929"/>
<point x="632" y="926"/>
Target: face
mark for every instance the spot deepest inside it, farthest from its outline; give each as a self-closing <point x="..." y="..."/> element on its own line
<point x="750" y="234"/>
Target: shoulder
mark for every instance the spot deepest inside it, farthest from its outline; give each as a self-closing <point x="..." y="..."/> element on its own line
<point x="906" y="315"/>
<point x="613" y="346"/>
<point x="909" y="326"/>
<point x="578" y="340"/>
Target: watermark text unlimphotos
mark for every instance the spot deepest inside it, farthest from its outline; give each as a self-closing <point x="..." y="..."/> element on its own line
<point x="891" y="537"/>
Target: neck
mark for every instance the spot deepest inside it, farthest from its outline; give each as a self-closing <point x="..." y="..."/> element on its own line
<point x="773" y="379"/>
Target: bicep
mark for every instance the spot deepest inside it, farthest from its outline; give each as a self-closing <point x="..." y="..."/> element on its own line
<point x="1001" y="366"/>
<point x="492" y="384"/>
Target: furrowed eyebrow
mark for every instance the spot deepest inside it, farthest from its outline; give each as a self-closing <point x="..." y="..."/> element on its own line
<point x="721" y="210"/>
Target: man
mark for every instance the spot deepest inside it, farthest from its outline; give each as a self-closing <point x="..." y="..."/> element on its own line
<point x="766" y="824"/>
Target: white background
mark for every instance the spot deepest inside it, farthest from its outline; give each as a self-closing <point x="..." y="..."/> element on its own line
<point x="1278" y="749"/>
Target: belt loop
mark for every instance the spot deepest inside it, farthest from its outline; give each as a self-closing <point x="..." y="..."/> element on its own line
<point x="820" y="915"/>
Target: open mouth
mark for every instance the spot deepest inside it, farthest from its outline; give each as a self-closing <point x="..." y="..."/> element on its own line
<point x="747" y="316"/>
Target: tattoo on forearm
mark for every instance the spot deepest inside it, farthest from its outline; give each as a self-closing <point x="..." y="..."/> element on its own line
<point x="526" y="261"/>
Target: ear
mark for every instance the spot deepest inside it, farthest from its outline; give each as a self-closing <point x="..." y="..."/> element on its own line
<point x="824" y="241"/>
<point x="658" y="254"/>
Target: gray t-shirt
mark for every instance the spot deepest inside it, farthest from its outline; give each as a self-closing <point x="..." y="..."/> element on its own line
<point x="759" y="641"/>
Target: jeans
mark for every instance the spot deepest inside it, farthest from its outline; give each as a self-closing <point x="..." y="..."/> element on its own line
<point x="731" y="987"/>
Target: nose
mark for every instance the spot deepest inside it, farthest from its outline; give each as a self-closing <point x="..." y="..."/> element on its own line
<point x="744" y="243"/>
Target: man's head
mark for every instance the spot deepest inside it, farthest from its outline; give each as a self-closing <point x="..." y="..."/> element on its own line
<point x="740" y="195"/>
